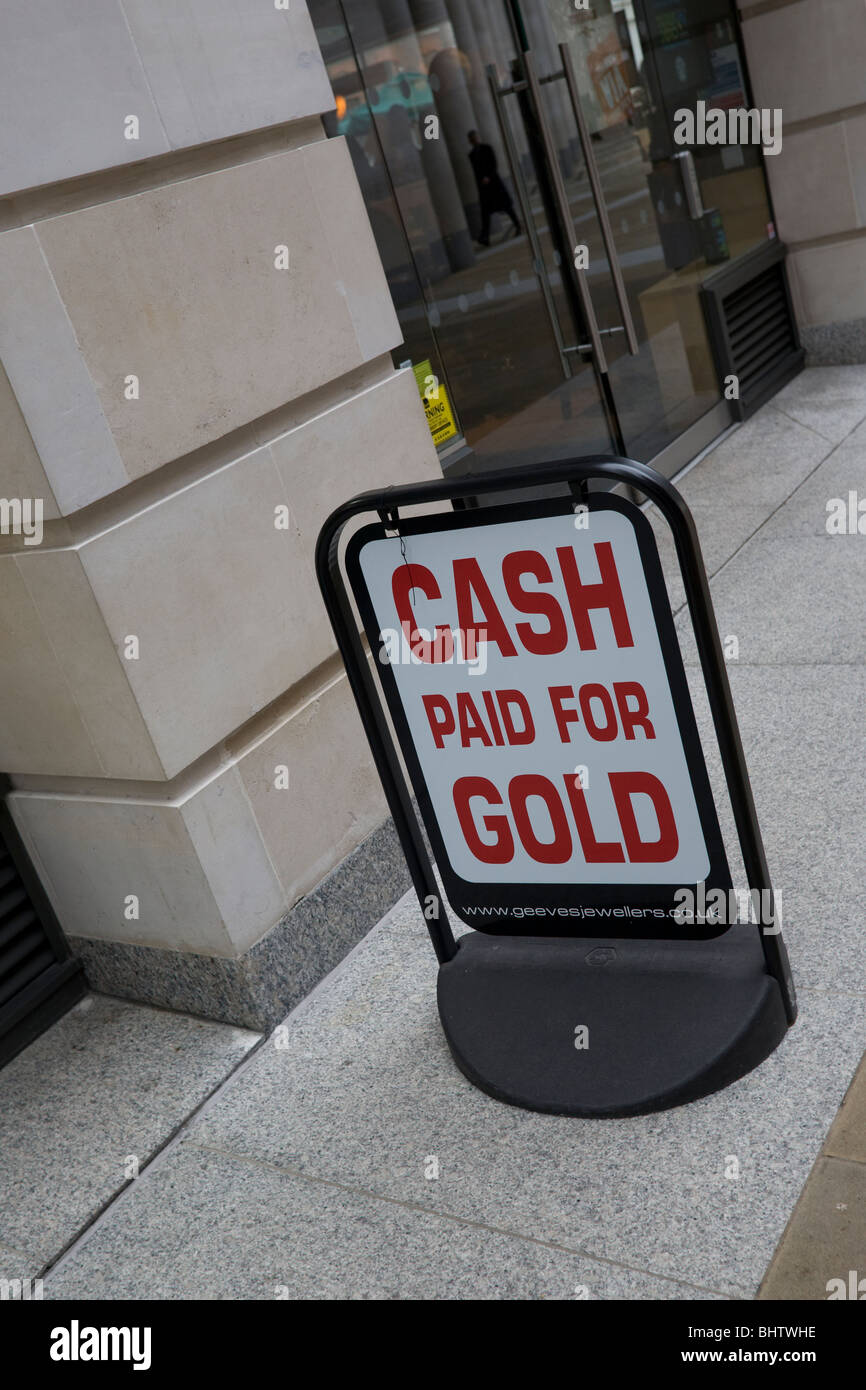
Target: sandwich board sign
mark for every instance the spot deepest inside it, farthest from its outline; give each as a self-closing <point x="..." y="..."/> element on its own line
<point x="527" y="662"/>
<point x="534" y="677"/>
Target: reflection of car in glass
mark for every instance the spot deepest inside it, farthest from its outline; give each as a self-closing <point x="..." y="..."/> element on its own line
<point x="411" y="90"/>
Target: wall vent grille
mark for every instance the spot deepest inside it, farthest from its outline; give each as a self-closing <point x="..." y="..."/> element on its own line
<point x="39" y="979"/>
<point x="751" y="326"/>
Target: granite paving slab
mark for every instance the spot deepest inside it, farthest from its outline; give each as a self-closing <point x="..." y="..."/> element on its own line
<point x="207" y="1225"/>
<point x="97" y="1093"/>
<point x="360" y="1089"/>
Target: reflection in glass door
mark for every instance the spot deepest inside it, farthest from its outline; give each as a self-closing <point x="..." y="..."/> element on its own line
<point x="543" y="241"/>
<point x="461" y="215"/>
<point x="655" y="219"/>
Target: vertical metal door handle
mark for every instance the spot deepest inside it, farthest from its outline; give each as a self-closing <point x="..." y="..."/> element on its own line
<point x="599" y="200"/>
<point x="528" y="220"/>
<point x="564" y="209"/>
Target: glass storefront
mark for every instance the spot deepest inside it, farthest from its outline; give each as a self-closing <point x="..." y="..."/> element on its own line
<point x="544" y="236"/>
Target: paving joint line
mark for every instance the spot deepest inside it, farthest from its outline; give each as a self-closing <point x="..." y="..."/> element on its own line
<point x="171" y="1138"/>
<point x="174" y="1137"/>
<point x="778" y="507"/>
<point x="320" y="1180"/>
<point x="782" y="411"/>
<point x="711" y="575"/>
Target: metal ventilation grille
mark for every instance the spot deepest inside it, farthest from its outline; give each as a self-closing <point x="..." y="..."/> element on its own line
<point x="751" y="325"/>
<point x="760" y="328"/>
<point x="39" y="980"/>
<point x="24" y="948"/>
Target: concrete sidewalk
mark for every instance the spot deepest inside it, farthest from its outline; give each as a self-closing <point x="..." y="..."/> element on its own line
<point x="346" y="1156"/>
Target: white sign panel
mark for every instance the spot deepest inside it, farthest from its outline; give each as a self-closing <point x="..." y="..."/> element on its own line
<point x="525" y="670"/>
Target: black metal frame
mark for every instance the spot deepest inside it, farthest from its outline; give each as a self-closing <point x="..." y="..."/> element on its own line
<point x="576" y="473"/>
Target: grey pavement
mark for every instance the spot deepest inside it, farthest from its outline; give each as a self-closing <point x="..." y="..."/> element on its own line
<point x="347" y="1157"/>
<point x="88" y="1104"/>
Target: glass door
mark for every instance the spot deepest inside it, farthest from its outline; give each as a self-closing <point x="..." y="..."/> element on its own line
<point x="654" y="219"/>
<point x="464" y="221"/>
<point x="544" y="238"/>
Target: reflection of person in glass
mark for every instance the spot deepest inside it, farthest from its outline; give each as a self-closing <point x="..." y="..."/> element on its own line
<point x="492" y="193"/>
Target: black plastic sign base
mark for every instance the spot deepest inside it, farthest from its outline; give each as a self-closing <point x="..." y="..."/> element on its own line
<point x="608" y="1028"/>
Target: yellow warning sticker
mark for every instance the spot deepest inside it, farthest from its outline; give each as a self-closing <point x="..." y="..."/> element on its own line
<point x="434" y="398"/>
